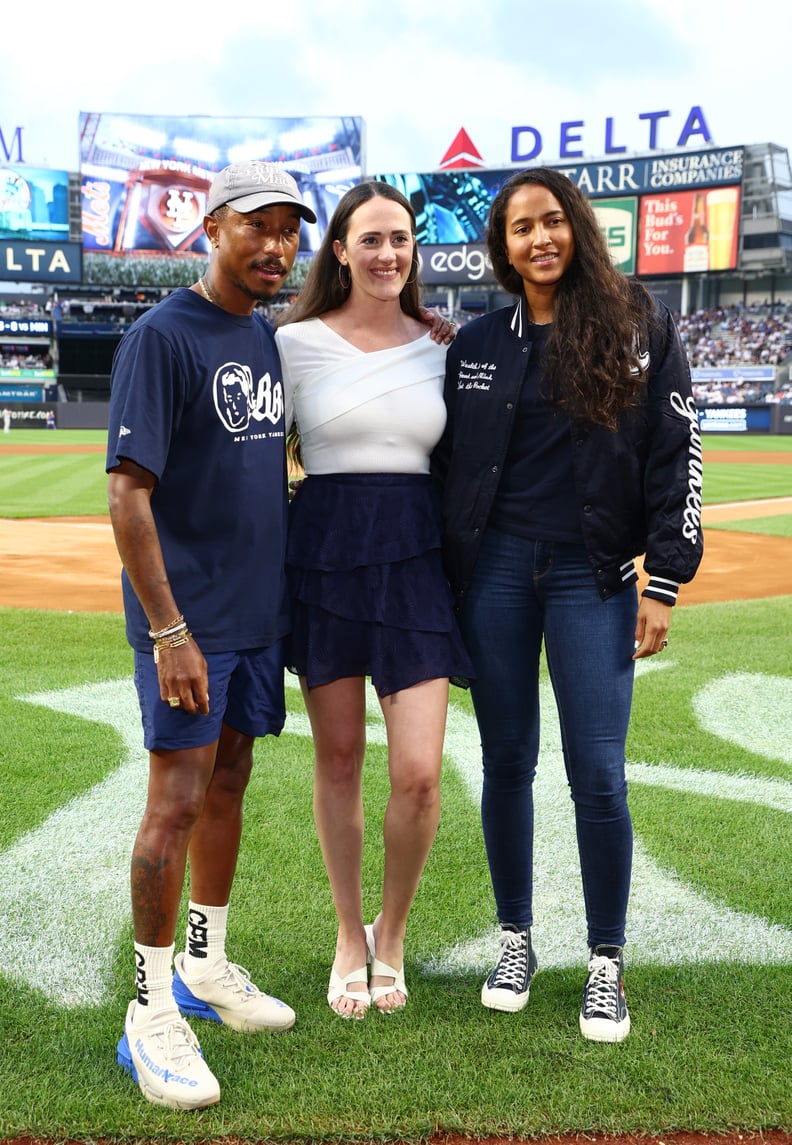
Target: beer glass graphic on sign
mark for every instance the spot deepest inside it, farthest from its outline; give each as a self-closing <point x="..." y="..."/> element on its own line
<point x="722" y="223"/>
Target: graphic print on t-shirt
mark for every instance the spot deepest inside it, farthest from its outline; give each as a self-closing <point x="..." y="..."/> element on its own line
<point x="238" y="399"/>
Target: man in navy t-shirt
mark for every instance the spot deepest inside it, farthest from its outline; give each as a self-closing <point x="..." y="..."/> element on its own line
<point x="198" y="497"/>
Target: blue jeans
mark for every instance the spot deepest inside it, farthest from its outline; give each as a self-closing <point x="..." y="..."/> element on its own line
<point x="524" y="591"/>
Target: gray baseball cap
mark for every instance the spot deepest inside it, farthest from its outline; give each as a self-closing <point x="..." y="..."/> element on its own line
<point x="248" y="186"/>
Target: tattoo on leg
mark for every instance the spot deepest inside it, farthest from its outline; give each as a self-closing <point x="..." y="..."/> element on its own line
<point x="149" y="898"/>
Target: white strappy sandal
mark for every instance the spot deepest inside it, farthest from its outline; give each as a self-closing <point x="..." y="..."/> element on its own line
<point x="383" y="970"/>
<point x="339" y="988"/>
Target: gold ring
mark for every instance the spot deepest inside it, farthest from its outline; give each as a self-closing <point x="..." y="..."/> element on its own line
<point x="174" y="701"/>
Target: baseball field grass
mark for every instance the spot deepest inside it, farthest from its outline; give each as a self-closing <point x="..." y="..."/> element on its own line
<point x="64" y="484"/>
<point x="709" y="957"/>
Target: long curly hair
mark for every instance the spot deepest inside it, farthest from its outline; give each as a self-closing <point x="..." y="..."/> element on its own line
<point x="601" y="318"/>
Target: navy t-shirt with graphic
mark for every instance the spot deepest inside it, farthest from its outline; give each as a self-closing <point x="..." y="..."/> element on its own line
<point x="197" y="399"/>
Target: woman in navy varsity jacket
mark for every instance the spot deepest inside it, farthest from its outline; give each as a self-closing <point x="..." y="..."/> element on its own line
<point x="572" y="446"/>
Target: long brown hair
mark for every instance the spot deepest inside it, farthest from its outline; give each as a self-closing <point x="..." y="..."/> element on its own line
<point x="600" y="316"/>
<point x="324" y="290"/>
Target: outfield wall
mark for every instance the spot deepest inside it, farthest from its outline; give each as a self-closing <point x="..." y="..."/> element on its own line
<point x="86" y="415"/>
<point x="781" y="421"/>
<point x="68" y="415"/>
<point x="769" y="419"/>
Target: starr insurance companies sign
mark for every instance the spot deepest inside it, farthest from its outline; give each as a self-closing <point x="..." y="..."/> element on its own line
<point x="662" y="212"/>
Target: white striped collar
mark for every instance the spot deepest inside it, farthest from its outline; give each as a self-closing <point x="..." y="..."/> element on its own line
<point x="519" y="318"/>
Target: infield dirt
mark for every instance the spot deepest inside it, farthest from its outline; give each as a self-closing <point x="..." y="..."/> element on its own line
<point x="71" y="563"/>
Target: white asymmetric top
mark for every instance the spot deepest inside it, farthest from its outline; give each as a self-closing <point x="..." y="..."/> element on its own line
<point x="359" y="412"/>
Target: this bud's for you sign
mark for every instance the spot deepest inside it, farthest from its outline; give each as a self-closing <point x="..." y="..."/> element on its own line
<point x="685" y="232"/>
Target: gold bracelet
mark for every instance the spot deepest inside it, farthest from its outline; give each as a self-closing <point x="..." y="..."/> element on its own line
<point x="169" y="627"/>
<point x="171" y="642"/>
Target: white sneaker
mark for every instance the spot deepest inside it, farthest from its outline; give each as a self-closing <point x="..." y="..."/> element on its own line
<point x="165" y="1060"/>
<point x="226" y="994"/>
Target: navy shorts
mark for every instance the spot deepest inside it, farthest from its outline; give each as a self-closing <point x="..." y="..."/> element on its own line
<point x="246" y="691"/>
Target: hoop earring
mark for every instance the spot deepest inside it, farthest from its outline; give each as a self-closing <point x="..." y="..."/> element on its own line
<point x="348" y="284"/>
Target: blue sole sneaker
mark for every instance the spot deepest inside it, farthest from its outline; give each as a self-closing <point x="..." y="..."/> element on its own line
<point x="226" y="994"/>
<point x="166" y="1061"/>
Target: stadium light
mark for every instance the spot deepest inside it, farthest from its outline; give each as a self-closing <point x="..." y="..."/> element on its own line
<point x="252" y="150"/>
<point x="305" y="138"/>
<point x="195" y="149"/>
<point x="122" y="132"/>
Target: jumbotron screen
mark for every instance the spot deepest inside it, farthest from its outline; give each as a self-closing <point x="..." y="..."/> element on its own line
<point x="34" y="204"/>
<point x="145" y="179"/>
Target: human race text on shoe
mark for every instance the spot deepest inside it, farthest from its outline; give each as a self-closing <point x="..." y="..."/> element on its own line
<point x="161" y="1072"/>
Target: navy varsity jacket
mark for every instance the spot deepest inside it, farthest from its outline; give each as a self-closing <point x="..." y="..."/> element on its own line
<point x="638" y="488"/>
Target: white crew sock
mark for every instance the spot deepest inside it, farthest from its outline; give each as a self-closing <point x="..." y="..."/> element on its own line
<point x="154" y="977"/>
<point x="206" y="936"/>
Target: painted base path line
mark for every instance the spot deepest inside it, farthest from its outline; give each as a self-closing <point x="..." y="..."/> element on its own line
<point x="64" y="897"/>
<point x="64" y="887"/>
<point x="747" y="510"/>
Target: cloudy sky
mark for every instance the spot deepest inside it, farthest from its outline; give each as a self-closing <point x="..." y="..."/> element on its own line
<point x="415" y="71"/>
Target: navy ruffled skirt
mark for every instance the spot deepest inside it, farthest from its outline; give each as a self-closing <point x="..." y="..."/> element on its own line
<point x="368" y="591"/>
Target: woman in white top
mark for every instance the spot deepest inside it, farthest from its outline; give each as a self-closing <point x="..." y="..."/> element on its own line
<point x="364" y="383"/>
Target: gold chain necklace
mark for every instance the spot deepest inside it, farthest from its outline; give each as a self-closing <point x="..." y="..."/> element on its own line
<point x="206" y="292"/>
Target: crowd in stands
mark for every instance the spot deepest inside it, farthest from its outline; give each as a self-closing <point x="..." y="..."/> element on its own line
<point x="741" y="393"/>
<point x="739" y="337"/>
<point x="128" y="304"/>
<point x="717" y="392"/>
<point x="736" y="336"/>
<point x="23" y="309"/>
<point x="12" y="358"/>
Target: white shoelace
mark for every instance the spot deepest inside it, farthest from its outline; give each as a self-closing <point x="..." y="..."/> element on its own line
<point x="513" y="960"/>
<point x="602" y="990"/>
<point x="237" y="978"/>
<point x="178" y="1043"/>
